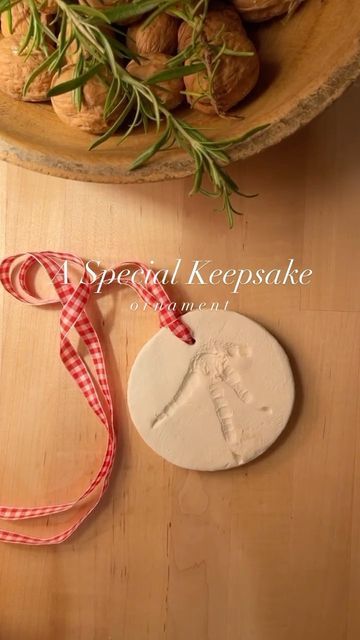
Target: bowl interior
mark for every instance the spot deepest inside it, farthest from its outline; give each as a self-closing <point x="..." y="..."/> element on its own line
<point x="307" y="61"/>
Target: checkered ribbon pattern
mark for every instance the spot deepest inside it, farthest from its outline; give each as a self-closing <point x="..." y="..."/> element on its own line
<point x="73" y="297"/>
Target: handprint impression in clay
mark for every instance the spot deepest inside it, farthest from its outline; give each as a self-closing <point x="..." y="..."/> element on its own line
<point x="214" y="363"/>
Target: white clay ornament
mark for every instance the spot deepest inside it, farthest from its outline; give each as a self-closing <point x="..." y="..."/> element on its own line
<point x="218" y="403"/>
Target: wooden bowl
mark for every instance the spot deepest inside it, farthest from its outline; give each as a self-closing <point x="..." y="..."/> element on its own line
<point x="307" y="62"/>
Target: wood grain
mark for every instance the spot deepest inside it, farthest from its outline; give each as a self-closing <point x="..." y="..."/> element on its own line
<point x="267" y="552"/>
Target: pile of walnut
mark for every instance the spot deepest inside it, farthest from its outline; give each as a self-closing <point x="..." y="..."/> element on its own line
<point x="154" y="44"/>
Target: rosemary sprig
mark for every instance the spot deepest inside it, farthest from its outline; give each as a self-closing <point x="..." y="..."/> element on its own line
<point x="101" y="53"/>
<point x="209" y="159"/>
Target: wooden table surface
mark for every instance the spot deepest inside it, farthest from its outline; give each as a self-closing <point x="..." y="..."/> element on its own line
<point x="267" y="552"/>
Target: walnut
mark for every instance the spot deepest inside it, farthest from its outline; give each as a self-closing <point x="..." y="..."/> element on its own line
<point x="159" y="36"/>
<point x="90" y="117"/>
<point x="100" y="4"/>
<point x="260" y="10"/>
<point x="234" y="76"/>
<point x="20" y="20"/>
<point x="168" y="92"/>
<point x="49" y="7"/>
<point x="15" y="69"/>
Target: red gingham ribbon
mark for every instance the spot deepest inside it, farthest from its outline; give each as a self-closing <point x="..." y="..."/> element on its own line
<point x="73" y="298"/>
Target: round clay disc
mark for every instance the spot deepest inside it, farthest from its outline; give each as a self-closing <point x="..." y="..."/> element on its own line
<point x="218" y="403"/>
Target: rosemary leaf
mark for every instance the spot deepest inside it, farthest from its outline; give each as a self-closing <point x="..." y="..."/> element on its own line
<point x="74" y="83"/>
<point x="176" y="72"/>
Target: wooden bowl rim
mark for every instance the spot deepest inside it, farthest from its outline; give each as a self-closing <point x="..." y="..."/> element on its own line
<point x="305" y="110"/>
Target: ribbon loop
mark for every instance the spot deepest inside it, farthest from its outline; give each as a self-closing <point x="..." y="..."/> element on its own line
<point x="73" y="299"/>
